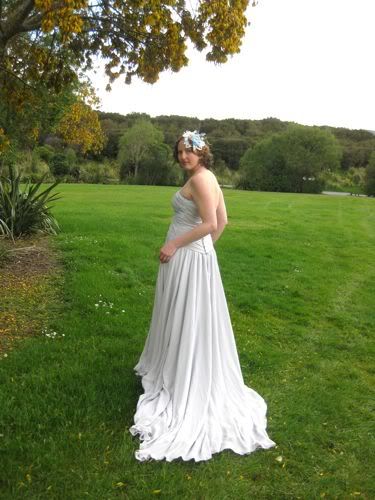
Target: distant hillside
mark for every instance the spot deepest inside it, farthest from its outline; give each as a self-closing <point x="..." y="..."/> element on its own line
<point x="231" y="137"/>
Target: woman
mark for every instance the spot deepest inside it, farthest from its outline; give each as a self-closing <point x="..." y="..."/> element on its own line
<point x="195" y="402"/>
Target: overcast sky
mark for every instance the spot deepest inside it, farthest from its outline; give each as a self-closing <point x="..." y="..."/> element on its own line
<point x="307" y="61"/>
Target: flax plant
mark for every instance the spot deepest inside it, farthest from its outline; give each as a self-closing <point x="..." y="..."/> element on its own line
<point x="25" y="211"/>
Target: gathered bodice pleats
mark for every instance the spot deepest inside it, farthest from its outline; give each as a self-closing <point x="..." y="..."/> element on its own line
<point x="186" y="217"/>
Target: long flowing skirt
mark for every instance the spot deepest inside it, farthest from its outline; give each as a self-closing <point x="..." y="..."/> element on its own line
<point x="195" y="402"/>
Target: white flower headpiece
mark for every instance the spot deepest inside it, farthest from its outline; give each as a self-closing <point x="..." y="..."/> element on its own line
<point x="194" y="139"/>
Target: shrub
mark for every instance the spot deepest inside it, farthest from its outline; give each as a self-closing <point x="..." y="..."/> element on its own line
<point x="158" y="168"/>
<point x="59" y="165"/>
<point x="351" y="180"/>
<point x="370" y="176"/>
<point x="93" y="172"/>
<point x="290" y="161"/>
<point x="35" y="168"/>
<point x="225" y="176"/>
<point x="45" y="152"/>
<point x="25" y="212"/>
<point x="71" y="157"/>
<point x="313" y="185"/>
<point x="29" y="165"/>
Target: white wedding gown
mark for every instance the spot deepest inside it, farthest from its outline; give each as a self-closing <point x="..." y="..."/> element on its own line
<point x="195" y="402"/>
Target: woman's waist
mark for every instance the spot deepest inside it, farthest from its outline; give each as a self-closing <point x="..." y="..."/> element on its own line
<point x="203" y="244"/>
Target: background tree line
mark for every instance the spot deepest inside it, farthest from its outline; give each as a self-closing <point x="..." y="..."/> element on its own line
<point x="290" y="157"/>
<point x="267" y="155"/>
<point x="231" y="137"/>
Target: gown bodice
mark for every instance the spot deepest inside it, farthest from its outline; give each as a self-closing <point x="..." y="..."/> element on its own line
<point x="186" y="217"/>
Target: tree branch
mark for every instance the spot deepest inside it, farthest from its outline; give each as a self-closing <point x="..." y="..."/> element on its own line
<point x="17" y="18"/>
<point x="34" y="22"/>
<point x="3" y="68"/>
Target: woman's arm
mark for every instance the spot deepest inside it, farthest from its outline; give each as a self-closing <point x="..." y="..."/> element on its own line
<point x="216" y="234"/>
<point x="197" y="233"/>
<point x="221" y="217"/>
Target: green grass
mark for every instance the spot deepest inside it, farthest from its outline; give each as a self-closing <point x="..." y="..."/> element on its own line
<point x="298" y="272"/>
<point x="4" y="253"/>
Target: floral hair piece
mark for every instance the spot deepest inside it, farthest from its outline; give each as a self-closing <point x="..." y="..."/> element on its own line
<point x="194" y="139"/>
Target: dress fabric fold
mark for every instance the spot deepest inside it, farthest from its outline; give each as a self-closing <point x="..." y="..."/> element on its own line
<point x="195" y="402"/>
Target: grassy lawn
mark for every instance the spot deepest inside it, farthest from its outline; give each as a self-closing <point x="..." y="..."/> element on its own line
<point x="299" y="276"/>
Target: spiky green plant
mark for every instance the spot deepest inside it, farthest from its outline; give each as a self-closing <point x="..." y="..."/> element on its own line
<point x="25" y="211"/>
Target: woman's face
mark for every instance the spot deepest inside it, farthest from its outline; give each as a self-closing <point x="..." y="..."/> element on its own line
<point x="187" y="158"/>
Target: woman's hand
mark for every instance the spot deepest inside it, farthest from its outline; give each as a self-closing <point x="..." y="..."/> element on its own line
<point x="167" y="251"/>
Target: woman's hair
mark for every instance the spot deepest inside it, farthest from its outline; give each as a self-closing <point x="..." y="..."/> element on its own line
<point x="205" y="155"/>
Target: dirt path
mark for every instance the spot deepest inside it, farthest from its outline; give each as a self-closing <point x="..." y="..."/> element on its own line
<point x="27" y="287"/>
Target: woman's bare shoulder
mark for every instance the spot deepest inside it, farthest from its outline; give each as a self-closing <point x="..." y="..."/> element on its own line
<point x="206" y="178"/>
